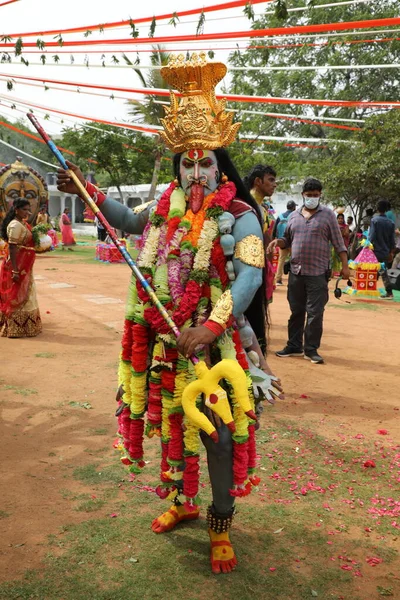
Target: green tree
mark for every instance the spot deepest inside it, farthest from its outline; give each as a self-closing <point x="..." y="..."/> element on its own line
<point x="359" y="175"/>
<point x="120" y="158"/>
<point x="149" y="111"/>
<point x="346" y="84"/>
<point x="35" y="148"/>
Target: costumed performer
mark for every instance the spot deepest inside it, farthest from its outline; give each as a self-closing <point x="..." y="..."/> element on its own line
<point x="19" y="310"/>
<point x="202" y="251"/>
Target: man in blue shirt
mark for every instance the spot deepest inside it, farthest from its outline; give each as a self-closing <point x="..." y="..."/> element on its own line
<point x="381" y="234"/>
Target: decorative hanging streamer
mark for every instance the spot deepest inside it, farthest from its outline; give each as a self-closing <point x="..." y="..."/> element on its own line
<point x="29" y="155"/>
<point x="299" y="118"/>
<point x="247" y="68"/>
<point x="38" y="139"/>
<point x="183" y="13"/>
<point x="85" y="118"/>
<point x="228" y="97"/>
<point x="244" y="48"/>
<point x="252" y="33"/>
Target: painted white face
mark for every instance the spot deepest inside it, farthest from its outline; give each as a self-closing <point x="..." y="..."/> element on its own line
<point x="201" y="167"/>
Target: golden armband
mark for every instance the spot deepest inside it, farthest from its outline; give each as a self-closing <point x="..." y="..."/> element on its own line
<point x="250" y="250"/>
<point x="223" y="308"/>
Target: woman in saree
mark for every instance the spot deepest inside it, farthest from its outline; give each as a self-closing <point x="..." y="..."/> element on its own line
<point x="19" y="310"/>
<point x="345" y="231"/>
<point x="67" y="236"/>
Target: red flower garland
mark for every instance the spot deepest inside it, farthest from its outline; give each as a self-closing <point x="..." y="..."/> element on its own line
<point x="240" y="354"/>
<point x="154" y="405"/>
<point x="164" y="202"/>
<point x="175" y="451"/>
<point x="136" y="440"/>
<point x="224" y="196"/>
<point x="252" y="447"/>
<point x="127" y="340"/>
<point x="140" y="347"/>
<point x="124" y="422"/>
<point x="191" y="480"/>
<point x="240" y="465"/>
<point x="219" y="261"/>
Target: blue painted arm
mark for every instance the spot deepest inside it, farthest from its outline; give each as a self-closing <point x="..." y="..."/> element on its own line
<point x="248" y="278"/>
<point x="122" y="217"/>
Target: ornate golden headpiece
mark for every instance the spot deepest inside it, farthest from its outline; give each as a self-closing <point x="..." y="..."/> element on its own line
<point x="198" y="120"/>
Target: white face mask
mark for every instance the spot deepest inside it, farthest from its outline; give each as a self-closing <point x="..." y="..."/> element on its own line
<point x="311" y="203"/>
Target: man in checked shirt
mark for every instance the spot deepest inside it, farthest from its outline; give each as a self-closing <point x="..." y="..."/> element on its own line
<point x="309" y="232"/>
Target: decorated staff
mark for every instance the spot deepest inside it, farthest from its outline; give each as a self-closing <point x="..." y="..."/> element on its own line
<point x="202" y="252"/>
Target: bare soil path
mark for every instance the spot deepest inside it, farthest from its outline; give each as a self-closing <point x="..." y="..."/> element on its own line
<point x="45" y="383"/>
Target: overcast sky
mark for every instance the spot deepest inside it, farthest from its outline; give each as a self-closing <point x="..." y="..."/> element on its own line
<point x="26" y="16"/>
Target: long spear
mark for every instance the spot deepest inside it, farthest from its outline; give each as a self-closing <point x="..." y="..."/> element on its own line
<point x="84" y="194"/>
<point x="207" y="382"/>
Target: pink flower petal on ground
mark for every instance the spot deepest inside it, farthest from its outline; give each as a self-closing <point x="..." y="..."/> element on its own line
<point x="382" y="431"/>
<point x="272" y="569"/>
<point x="304" y="396"/>
<point x="373" y="561"/>
<point x="346" y="567"/>
<point x="370" y="463"/>
<point x="113" y="515"/>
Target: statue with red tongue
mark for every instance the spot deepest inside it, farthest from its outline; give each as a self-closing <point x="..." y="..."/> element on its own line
<point x="202" y="250"/>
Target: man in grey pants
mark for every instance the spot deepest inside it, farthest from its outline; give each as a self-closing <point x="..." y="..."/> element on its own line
<point x="309" y="232"/>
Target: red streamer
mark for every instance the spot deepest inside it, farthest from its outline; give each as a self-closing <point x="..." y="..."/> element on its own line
<point x="252" y="33"/>
<point x="183" y="13"/>
<point x="165" y="93"/>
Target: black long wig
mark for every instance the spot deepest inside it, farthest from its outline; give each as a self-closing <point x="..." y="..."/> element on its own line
<point x="256" y="313"/>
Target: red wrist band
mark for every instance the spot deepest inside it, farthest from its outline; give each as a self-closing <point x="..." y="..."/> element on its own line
<point x="95" y="193"/>
<point x="216" y="328"/>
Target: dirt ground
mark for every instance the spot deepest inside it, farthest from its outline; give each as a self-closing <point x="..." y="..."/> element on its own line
<point x="45" y="382"/>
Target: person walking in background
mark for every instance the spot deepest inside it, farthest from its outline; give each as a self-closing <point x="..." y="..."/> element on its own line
<point x="382" y="236"/>
<point x="43" y="217"/>
<point x="19" y="310"/>
<point x="278" y="232"/>
<point x="390" y="214"/>
<point x="345" y="231"/>
<point x="309" y="233"/>
<point x="67" y="236"/>
<point x="366" y="221"/>
<point x="101" y="232"/>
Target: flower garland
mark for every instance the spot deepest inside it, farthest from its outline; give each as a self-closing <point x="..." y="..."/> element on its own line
<point x="182" y="258"/>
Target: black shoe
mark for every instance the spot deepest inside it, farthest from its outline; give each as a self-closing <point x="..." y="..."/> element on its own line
<point x="315" y="358"/>
<point x="288" y="352"/>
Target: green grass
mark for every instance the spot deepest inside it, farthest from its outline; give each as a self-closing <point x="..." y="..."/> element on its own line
<point x="20" y="391"/>
<point x="312" y="508"/>
<point x="45" y="355"/>
<point x="361" y="306"/>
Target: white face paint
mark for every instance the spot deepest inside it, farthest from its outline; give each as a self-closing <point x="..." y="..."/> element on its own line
<point x="201" y="167"/>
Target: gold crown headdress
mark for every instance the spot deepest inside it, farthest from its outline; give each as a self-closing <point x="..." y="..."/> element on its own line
<point x="198" y="120"/>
